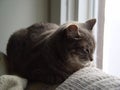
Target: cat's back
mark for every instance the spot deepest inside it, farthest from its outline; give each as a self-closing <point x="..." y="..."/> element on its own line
<point x="21" y="41"/>
<point x="30" y="35"/>
<point x="33" y="31"/>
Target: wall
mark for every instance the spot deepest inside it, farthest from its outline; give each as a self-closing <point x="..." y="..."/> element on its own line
<point x="16" y="14"/>
<point x="55" y="11"/>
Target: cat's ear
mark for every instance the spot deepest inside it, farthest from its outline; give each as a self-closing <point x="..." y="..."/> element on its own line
<point x="90" y="24"/>
<point x="72" y="31"/>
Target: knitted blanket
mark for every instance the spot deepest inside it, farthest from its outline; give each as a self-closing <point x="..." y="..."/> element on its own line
<point x="11" y="82"/>
<point x="90" y="78"/>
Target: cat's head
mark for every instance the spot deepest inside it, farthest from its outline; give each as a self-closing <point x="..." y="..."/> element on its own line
<point x="76" y="42"/>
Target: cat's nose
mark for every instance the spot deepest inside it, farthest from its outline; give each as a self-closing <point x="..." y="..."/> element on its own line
<point x="91" y="58"/>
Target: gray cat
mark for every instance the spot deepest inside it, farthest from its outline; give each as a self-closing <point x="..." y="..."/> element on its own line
<point x="49" y="53"/>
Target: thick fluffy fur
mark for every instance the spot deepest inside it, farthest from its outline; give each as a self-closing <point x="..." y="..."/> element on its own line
<point x="50" y="53"/>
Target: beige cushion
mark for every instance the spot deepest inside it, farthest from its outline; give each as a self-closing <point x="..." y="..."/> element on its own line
<point x="3" y="65"/>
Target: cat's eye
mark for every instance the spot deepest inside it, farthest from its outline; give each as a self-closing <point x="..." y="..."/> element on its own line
<point x="77" y="38"/>
<point x="86" y="50"/>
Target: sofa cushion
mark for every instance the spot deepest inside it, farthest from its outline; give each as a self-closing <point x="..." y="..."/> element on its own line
<point x="3" y="64"/>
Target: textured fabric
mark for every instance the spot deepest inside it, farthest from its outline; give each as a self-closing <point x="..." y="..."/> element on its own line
<point x="90" y="78"/>
<point x="3" y="65"/>
<point x="11" y="82"/>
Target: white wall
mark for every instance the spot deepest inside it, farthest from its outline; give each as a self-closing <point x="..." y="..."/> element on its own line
<point x="16" y="14"/>
<point x="55" y="11"/>
<point x="111" y="59"/>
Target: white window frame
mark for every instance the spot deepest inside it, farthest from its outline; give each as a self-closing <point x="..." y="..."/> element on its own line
<point x="100" y="14"/>
<point x="71" y="10"/>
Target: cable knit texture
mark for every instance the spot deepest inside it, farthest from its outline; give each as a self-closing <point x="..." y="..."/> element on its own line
<point x="11" y="82"/>
<point x="90" y="78"/>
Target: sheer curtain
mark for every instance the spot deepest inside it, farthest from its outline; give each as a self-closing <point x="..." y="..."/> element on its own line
<point x="111" y="56"/>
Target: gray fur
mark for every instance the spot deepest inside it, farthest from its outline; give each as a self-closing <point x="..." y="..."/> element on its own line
<point x="50" y="53"/>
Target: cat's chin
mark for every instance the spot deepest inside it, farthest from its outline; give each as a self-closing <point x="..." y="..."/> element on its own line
<point x="84" y="63"/>
<point x="75" y="60"/>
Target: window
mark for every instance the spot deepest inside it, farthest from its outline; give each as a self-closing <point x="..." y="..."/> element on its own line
<point x="111" y="56"/>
